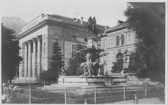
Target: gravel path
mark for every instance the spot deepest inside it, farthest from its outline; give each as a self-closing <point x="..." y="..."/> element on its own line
<point x="141" y="101"/>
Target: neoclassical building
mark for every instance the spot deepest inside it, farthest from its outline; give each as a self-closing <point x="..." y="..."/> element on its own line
<point x="119" y="43"/>
<point x="37" y="39"/>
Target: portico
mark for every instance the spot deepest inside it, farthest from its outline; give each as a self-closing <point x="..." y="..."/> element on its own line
<point x="31" y="54"/>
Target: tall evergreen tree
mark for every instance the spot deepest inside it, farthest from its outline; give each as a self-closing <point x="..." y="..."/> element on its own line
<point x="10" y="53"/>
<point x="55" y="65"/>
<point x="148" y="21"/>
<point x="57" y="62"/>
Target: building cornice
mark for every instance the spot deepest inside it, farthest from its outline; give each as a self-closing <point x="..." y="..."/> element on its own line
<point x="122" y="46"/>
<point x="32" y="29"/>
<point x="116" y="29"/>
<point x="47" y="22"/>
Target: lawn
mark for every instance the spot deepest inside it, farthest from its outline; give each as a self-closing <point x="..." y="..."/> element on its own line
<point x="73" y="96"/>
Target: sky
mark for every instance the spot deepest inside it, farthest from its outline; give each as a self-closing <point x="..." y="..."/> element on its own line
<point x="107" y="12"/>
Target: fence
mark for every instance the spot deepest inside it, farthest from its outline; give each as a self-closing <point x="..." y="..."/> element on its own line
<point x="87" y="95"/>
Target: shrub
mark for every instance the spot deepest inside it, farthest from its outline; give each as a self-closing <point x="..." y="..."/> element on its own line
<point x="49" y="76"/>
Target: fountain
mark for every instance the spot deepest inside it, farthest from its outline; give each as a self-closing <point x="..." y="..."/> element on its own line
<point x="92" y="70"/>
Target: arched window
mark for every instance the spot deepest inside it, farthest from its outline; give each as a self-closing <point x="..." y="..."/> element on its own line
<point x="105" y="44"/>
<point x="54" y="46"/>
<point x="122" y="40"/>
<point x="111" y="40"/>
<point x="120" y="60"/>
<point x="117" y="40"/>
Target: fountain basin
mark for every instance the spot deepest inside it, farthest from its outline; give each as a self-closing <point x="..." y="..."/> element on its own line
<point x="91" y="81"/>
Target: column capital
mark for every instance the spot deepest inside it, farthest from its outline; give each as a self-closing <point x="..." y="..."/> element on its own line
<point x="34" y="39"/>
<point x="39" y="37"/>
<point x="30" y="41"/>
<point x="25" y="43"/>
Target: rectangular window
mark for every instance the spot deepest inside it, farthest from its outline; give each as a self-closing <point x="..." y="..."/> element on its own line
<point x="74" y="49"/>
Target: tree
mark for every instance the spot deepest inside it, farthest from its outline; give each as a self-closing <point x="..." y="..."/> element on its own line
<point x="10" y="53"/>
<point x="57" y="62"/>
<point x="148" y="21"/>
<point x="75" y="61"/>
<point x="80" y="57"/>
<point x="55" y="65"/>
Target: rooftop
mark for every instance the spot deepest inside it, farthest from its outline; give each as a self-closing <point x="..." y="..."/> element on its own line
<point x="117" y="27"/>
<point x="57" y="18"/>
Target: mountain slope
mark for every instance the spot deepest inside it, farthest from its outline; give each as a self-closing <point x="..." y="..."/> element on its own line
<point x="14" y="23"/>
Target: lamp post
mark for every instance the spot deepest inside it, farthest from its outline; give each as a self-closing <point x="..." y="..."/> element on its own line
<point x="17" y="69"/>
<point x="126" y="59"/>
<point x="63" y="26"/>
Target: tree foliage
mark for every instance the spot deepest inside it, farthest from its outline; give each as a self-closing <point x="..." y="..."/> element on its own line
<point x="56" y="59"/>
<point x="10" y="53"/>
<point x="80" y="57"/>
<point x="148" y="21"/>
<point x="49" y="76"/>
<point x="75" y="61"/>
<point x="55" y="65"/>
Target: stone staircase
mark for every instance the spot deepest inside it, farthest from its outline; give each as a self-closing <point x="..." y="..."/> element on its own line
<point x="25" y="80"/>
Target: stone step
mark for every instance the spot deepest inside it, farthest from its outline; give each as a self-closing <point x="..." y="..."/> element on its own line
<point x="24" y="80"/>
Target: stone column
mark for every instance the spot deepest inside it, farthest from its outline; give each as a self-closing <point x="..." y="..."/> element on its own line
<point x="22" y="55"/>
<point x="29" y="58"/>
<point x="114" y="40"/>
<point x="38" y="55"/>
<point x="25" y="60"/>
<point x="34" y="63"/>
<point x="20" y="64"/>
<point x="126" y="37"/>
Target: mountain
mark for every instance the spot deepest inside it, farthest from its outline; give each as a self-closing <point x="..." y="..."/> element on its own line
<point x="14" y="23"/>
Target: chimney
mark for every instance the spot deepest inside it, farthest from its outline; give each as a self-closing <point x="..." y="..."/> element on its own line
<point x="78" y="21"/>
<point x="106" y="27"/>
<point x="42" y="15"/>
<point x="82" y="20"/>
<point x="74" y="19"/>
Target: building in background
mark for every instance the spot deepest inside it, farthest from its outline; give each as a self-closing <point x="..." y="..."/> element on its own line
<point x="118" y="42"/>
<point x="37" y="38"/>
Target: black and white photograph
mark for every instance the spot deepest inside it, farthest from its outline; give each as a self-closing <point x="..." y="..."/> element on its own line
<point x="83" y="52"/>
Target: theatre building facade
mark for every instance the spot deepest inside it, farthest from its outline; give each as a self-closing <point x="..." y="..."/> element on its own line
<point x="37" y="38"/>
<point x="118" y="42"/>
